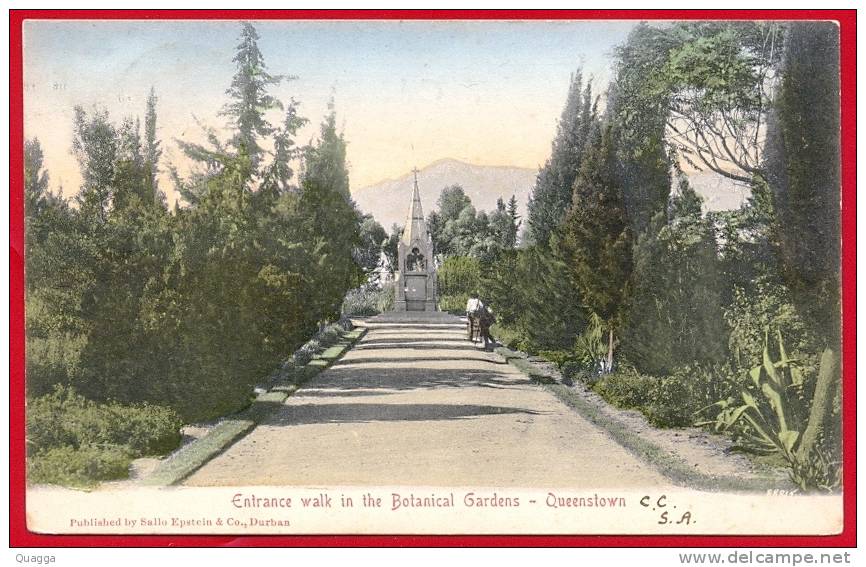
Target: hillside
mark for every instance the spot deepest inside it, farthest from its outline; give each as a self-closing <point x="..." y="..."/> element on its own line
<point x="388" y="201"/>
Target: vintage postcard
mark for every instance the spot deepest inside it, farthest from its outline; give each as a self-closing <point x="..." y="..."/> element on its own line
<point x="292" y="274"/>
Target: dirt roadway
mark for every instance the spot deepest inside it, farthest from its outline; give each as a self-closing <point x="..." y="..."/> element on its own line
<point x="414" y="403"/>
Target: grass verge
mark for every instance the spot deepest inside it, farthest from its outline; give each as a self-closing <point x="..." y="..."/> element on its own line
<point x="535" y="374"/>
<point x="192" y="457"/>
<point x="669" y="464"/>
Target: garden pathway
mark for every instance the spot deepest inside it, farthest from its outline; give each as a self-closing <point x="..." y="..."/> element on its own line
<point x="415" y="403"/>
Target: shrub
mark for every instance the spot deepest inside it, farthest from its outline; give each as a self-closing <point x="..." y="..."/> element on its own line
<point x="626" y="388"/>
<point x="368" y="300"/>
<point x="303" y="355"/>
<point x="458" y="277"/>
<point x="505" y="335"/>
<point x="146" y="429"/>
<point x="66" y="419"/>
<point x="361" y="302"/>
<point x="767" y="307"/>
<point x="82" y="466"/>
<point x="345" y="324"/>
<point x="453" y="303"/>
<point x="558" y="357"/>
<point x="330" y="335"/>
<point x="671" y="403"/>
<point x="575" y="371"/>
<point x="52" y="360"/>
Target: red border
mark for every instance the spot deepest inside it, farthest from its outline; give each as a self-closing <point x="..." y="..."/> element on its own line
<point x="21" y="537"/>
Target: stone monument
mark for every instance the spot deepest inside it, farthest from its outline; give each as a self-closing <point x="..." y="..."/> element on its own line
<point x="415" y="277"/>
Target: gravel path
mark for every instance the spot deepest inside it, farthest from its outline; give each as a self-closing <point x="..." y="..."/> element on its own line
<point x="415" y="403"/>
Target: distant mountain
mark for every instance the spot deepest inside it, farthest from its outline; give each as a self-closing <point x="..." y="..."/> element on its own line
<point x="388" y="201"/>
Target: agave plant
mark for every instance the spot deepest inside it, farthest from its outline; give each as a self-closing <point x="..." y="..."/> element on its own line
<point x="777" y="417"/>
<point x="591" y="345"/>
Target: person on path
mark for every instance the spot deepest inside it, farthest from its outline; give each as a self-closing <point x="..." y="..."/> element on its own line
<point x="473" y="308"/>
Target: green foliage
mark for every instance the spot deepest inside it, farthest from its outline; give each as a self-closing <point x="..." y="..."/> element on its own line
<point x="278" y="176"/>
<point x="372" y="237"/>
<point x="368" y="300"/>
<point x="675" y="313"/>
<point x="637" y="106"/>
<point x="506" y="335"/>
<point x="65" y="418"/>
<point x="152" y="149"/>
<point x="626" y="388"/>
<point x="680" y="399"/>
<point x="764" y="307"/>
<point x="803" y="171"/>
<point x="249" y="96"/>
<point x="187" y="310"/>
<point x="389" y="247"/>
<point x="80" y="467"/>
<point x="534" y="297"/>
<point x="552" y="195"/>
<point x="671" y="403"/>
<point x="591" y="344"/>
<point x="597" y="238"/>
<point x="74" y="441"/>
<point x="719" y="79"/>
<point x="453" y="303"/>
<point x="574" y="371"/>
<point x="459" y="276"/>
<point x="457" y="229"/>
<point x="35" y="179"/>
<point x="776" y="413"/>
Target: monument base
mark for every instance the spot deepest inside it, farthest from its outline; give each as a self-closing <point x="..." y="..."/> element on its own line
<point x="412" y="305"/>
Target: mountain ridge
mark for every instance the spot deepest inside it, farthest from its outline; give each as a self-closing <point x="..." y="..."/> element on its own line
<point x="388" y="200"/>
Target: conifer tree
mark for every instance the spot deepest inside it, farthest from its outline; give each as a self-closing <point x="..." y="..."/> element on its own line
<point x="94" y="144"/>
<point x="280" y="173"/>
<point x="552" y="194"/>
<point x="152" y="149"/>
<point x="35" y="178"/>
<point x="803" y="172"/>
<point x="514" y="227"/>
<point x="331" y="223"/>
<point x="326" y="162"/>
<point x="131" y="172"/>
<point x="249" y="96"/>
<point x="675" y="316"/>
<point x="597" y="238"/>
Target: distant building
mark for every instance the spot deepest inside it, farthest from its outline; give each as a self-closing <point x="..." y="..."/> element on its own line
<point x="415" y="286"/>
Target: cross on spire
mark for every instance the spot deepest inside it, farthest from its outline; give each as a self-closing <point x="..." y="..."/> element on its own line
<point x="416" y="172"/>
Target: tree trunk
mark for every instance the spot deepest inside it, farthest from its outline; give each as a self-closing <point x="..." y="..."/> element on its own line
<point x="609" y="352"/>
<point x="822" y="403"/>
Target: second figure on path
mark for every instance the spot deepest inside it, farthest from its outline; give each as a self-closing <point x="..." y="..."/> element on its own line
<point x="479" y="318"/>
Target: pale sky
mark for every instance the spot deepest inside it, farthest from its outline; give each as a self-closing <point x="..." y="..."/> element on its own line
<point x="407" y="93"/>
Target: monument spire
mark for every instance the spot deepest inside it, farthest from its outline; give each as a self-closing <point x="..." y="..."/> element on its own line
<point x="415" y="285"/>
<point x="415" y="225"/>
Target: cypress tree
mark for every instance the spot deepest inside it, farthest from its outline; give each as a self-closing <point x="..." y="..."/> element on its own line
<point x="597" y="238"/>
<point x="802" y="164"/>
<point x="552" y="193"/>
<point x="152" y="149"/>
